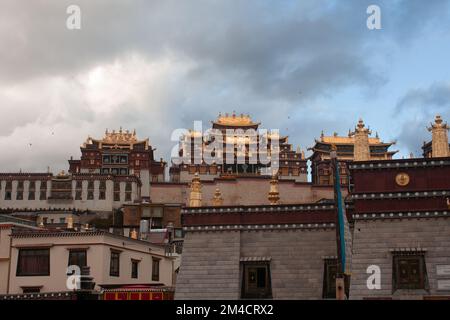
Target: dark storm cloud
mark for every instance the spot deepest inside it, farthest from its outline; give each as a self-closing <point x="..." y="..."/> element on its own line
<point x="419" y="107"/>
<point x="270" y="59"/>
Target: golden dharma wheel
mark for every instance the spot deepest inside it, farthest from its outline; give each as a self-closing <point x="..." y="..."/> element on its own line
<point x="402" y="179"/>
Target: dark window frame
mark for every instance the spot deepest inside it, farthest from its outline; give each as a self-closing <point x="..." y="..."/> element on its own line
<point x="401" y="275"/>
<point x="76" y="257"/>
<point x="329" y="279"/>
<point x="155" y="268"/>
<point x="114" y="264"/>
<point x="264" y="287"/>
<point x="134" y="269"/>
<point x="24" y="254"/>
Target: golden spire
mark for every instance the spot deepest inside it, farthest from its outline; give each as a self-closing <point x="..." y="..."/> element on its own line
<point x="70" y="222"/>
<point x="41" y="222"/>
<point x="439" y="134"/>
<point x="195" y="197"/>
<point x="274" y="194"/>
<point x="217" y="199"/>
<point x="361" y="148"/>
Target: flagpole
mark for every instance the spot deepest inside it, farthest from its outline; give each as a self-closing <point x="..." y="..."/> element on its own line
<point x="340" y="280"/>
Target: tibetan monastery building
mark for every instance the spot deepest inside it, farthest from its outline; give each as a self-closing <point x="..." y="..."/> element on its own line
<point x="399" y="218"/>
<point x="244" y="151"/>
<point x="358" y="145"/>
<point x="112" y="171"/>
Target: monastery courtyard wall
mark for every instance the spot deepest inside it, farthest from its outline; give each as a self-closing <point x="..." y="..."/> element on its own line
<point x="211" y="266"/>
<point x="242" y="191"/>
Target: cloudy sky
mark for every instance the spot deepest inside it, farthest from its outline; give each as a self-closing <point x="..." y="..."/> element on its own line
<point x="154" y="66"/>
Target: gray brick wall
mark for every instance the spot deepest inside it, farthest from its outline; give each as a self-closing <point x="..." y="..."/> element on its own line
<point x="372" y="241"/>
<point x="210" y="266"/>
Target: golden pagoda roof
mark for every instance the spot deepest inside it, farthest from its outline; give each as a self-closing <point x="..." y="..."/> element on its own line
<point x="234" y="120"/>
<point x="346" y="140"/>
<point x="121" y="137"/>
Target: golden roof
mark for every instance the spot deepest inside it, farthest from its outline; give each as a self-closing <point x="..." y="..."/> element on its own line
<point x="234" y="120"/>
<point x="345" y="140"/>
<point x="121" y="137"/>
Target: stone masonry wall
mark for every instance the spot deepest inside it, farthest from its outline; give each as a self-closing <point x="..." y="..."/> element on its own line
<point x="372" y="241"/>
<point x="210" y="266"/>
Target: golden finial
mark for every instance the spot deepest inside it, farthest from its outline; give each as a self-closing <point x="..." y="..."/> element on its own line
<point x="439" y="140"/>
<point x="217" y="199"/>
<point x="133" y="234"/>
<point x="70" y="222"/>
<point x="195" y="197"/>
<point x="41" y="222"/>
<point x="274" y="194"/>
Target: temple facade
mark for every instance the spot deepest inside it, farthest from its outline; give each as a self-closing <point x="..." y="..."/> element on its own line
<point x="399" y="220"/>
<point x="120" y="153"/>
<point x="357" y="146"/>
<point x="236" y="146"/>
<point x="112" y="171"/>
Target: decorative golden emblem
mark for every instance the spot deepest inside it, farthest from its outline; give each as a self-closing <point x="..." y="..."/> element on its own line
<point x="402" y="179"/>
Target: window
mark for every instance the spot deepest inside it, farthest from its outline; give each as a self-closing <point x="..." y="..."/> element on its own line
<point x="36" y="289"/>
<point x="134" y="268"/>
<point x="32" y="185"/>
<point x="90" y="195"/>
<point x="33" y="262"/>
<point x="19" y="195"/>
<point x="77" y="257"/>
<point x="102" y="195"/>
<point x="31" y="195"/>
<point x="43" y="195"/>
<point x="156" y="223"/>
<point x="91" y="185"/>
<point x="79" y="185"/>
<point x="62" y="220"/>
<point x="114" y="266"/>
<point x="256" y="281"/>
<point x="78" y="195"/>
<point x="8" y="195"/>
<point x="155" y="269"/>
<point x="409" y="272"/>
<point x="116" y="196"/>
<point x="128" y="196"/>
<point x="329" y="279"/>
